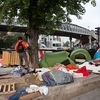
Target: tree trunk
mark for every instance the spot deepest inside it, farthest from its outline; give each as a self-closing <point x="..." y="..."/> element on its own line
<point x="34" y="48"/>
<point x="34" y="35"/>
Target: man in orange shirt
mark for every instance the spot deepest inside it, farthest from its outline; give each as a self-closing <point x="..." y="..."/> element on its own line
<point x="21" y="47"/>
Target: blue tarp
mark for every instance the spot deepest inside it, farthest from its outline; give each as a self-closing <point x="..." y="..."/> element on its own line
<point x="97" y="54"/>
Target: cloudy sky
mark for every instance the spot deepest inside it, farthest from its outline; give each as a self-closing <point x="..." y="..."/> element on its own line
<point x="90" y="20"/>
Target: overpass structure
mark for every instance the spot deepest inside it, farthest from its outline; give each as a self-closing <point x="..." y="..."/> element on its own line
<point x="66" y="29"/>
<point x="74" y="30"/>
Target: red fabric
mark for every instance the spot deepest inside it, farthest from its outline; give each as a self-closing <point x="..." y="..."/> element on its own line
<point x="71" y="67"/>
<point x="83" y="70"/>
<point x="41" y="54"/>
<point x="97" y="61"/>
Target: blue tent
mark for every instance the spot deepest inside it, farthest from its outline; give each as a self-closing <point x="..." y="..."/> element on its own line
<point x="97" y="54"/>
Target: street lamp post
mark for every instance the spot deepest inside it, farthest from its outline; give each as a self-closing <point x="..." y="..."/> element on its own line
<point x="98" y="33"/>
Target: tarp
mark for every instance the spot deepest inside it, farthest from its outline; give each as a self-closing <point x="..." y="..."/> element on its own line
<point x="97" y="54"/>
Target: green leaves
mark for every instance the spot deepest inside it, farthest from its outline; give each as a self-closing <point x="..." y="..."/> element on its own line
<point x="42" y="13"/>
<point x="41" y="16"/>
<point x="93" y="2"/>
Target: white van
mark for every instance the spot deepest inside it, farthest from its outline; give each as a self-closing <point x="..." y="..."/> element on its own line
<point x="56" y="45"/>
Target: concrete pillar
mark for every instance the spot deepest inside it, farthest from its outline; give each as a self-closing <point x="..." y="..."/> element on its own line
<point x="98" y="33"/>
<point x="90" y="42"/>
<point x="70" y="38"/>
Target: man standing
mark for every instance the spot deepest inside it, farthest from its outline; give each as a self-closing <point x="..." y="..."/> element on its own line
<point x="21" y="47"/>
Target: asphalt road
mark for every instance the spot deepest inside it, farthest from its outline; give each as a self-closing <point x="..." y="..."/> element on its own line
<point x="92" y="95"/>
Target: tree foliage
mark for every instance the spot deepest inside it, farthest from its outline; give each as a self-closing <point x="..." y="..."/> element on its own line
<point x="66" y="44"/>
<point x="41" y="15"/>
<point x="8" y="41"/>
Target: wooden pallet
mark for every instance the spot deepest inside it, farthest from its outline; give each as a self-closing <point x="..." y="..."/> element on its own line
<point x="6" y="88"/>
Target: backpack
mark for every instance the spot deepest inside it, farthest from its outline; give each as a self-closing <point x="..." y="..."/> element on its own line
<point x="20" y="47"/>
